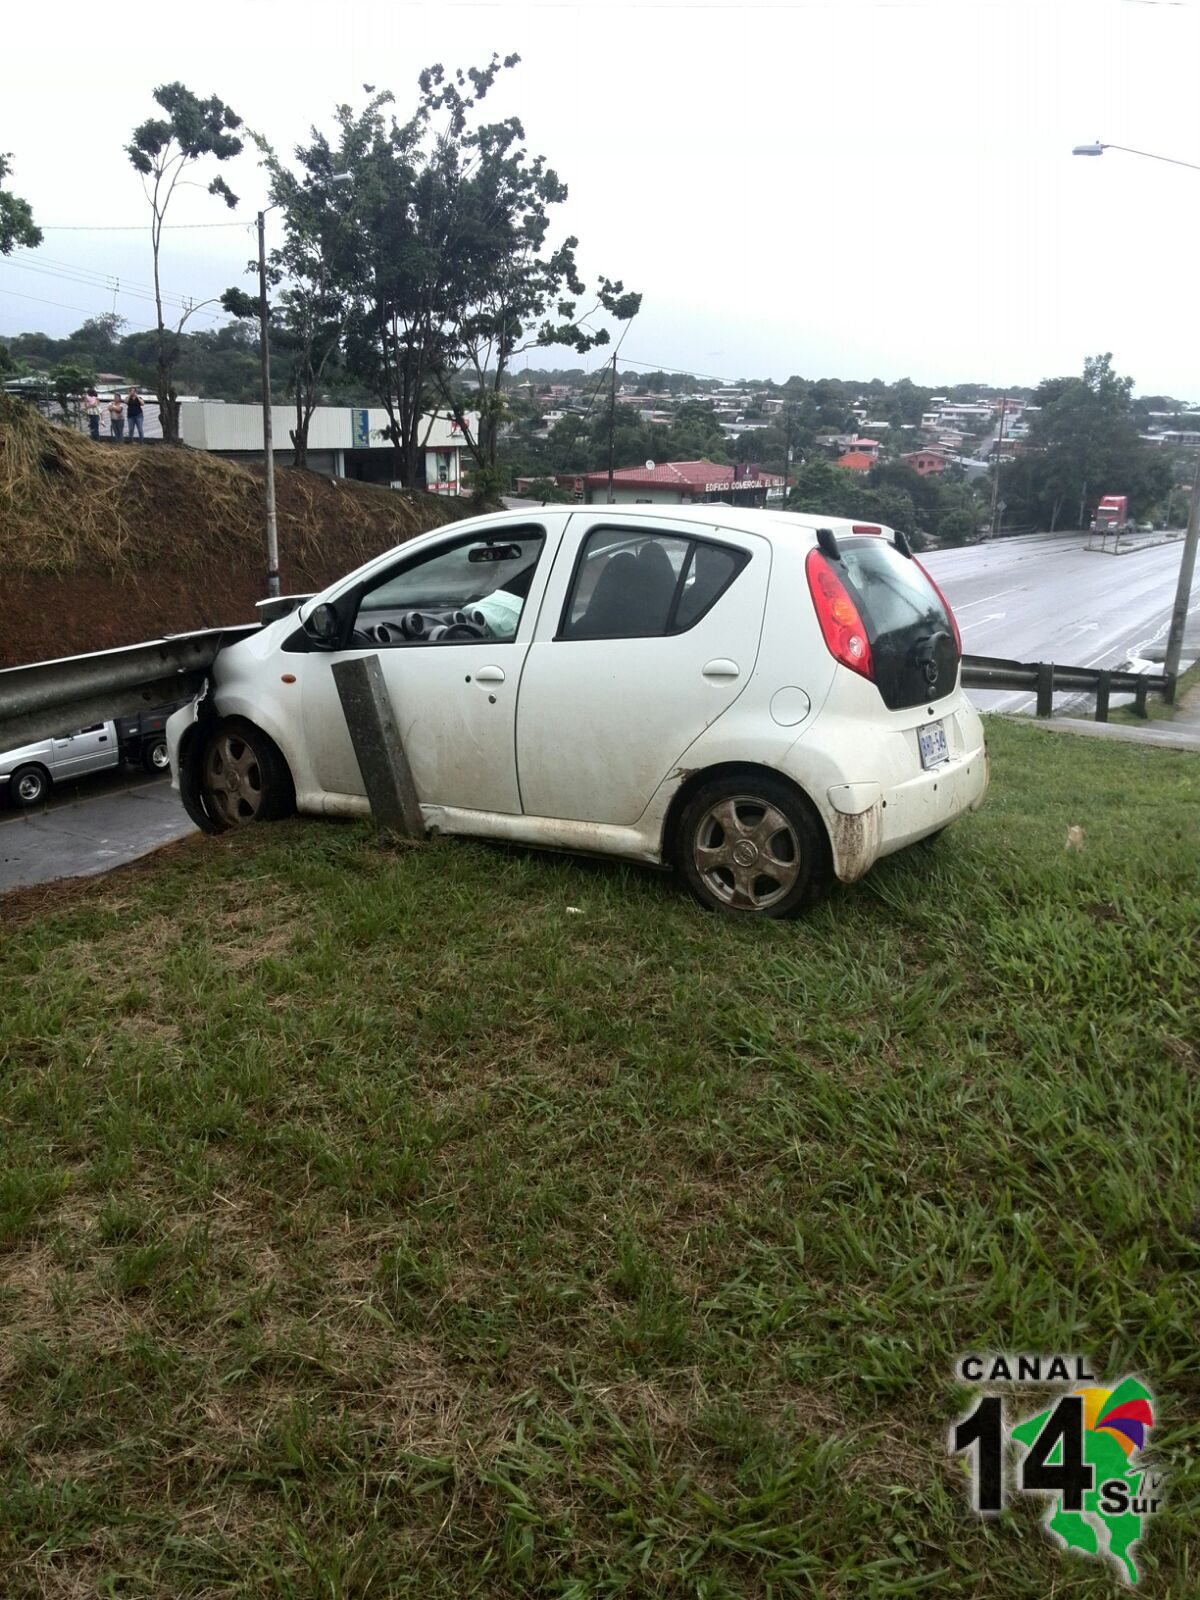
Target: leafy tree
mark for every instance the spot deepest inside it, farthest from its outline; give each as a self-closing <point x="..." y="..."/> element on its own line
<point x="67" y="384"/>
<point x="162" y="150"/>
<point x="95" y="340"/>
<point x="1084" y="443"/>
<point x="505" y="293"/>
<point x="398" y="209"/>
<point x="17" y="226"/>
<point x="316" y="266"/>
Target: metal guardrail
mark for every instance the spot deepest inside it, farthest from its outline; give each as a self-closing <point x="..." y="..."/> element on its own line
<point x="50" y="698"/>
<point x="1046" y="678"/>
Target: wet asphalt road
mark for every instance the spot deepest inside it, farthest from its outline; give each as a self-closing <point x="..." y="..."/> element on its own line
<point x="88" y="828"/>
<point x="1047" y="598"/>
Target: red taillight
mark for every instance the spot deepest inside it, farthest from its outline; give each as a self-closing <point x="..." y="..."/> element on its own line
<point x="865" y="527"/>
<point x="945" y="607"/>
<point x="841" y="625"/>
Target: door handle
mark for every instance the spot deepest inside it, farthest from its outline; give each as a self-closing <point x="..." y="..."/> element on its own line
<point x="490" y="675"/>
<point x="720" y="669"/>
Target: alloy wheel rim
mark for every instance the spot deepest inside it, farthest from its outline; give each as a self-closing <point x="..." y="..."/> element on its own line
<point x="233" y="779"/>
<point x="159" y="757"/>
<point x="30" y="788"/>
<point x="747" y="853"/>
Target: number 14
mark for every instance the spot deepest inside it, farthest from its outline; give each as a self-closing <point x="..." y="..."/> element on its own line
<point x="1071" y="1477"/>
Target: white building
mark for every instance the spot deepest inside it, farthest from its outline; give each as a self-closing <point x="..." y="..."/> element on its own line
<point x="343" y="441"/>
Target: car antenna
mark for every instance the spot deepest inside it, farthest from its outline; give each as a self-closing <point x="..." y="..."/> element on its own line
<point x="828" y="542"/>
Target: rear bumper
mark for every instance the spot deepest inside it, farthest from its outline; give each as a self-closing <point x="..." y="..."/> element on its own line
<point x="903" y="813"/>
<point x="871" y="790"/>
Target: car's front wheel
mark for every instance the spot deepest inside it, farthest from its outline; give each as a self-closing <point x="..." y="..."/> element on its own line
<point x="748" y="842"/>
<point x="243" y="776"/>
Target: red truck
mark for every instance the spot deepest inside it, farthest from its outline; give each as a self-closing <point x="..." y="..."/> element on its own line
<point x="1112" y="513"/>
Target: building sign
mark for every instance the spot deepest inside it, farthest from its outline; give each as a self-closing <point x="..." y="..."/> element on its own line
<point x="739" y="485"/>
<point x="360" y="428"/>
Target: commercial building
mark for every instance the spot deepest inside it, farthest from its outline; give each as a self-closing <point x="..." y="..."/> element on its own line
<point x="685" y="483"/>
<point x="343" y="441"/>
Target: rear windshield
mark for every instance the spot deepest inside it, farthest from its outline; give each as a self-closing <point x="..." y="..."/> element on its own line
<point x="911" y="637"/>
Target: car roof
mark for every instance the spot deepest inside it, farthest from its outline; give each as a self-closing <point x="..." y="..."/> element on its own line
<point x="743" y="519"/>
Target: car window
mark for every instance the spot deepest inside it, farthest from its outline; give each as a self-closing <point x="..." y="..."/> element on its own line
<point x="470" y="590"/>
<point x="638" y="585"/>
<point x="906" y="622"/>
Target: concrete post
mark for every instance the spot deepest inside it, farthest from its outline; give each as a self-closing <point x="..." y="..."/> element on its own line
<point x="379" y="747"/>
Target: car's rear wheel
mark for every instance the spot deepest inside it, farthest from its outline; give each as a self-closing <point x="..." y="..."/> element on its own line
<point x="155" y="757"/>
<point x="243" y="776"/>
<point x="750" y="843"/>
<point x="29" y="786"/>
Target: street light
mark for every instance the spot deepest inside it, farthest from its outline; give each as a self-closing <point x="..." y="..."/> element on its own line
<point x="1098" y="149"/>
<point x="268" y="441"/>
<point x="1187" y="559"/>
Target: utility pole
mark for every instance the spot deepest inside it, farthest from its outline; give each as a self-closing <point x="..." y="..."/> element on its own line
<point x="268" y="443"/>
<point x="1183" y="592"/>
<point x="612" y="423"/>
<point x="787" y="452"/>
<point x="996" y="470"/>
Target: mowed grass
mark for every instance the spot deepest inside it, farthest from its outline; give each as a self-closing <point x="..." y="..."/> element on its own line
<point x="374" y="1223"/>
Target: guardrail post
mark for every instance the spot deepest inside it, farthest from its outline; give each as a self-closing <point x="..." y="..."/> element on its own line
<point x="379" y="747"/>
<point x="1139" y="698"/>
<point x="1103" y="690"/>
<point x="1045" y="688"/>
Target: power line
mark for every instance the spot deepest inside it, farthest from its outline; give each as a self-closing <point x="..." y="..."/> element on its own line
<point x="132" y="227"/>
<point x="110" y="283"/>
<point x="138" y="327"/>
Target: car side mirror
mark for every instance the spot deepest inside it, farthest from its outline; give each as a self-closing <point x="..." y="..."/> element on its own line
<point x="322" y="625"/>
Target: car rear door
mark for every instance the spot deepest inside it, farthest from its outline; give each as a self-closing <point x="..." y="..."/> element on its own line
<point x="648" y="633"/>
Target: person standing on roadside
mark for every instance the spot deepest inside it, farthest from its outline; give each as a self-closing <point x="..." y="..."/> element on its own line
<point x="116" y="416"/>
<point x="133" y="410"/>
<point x="91" y="410"/>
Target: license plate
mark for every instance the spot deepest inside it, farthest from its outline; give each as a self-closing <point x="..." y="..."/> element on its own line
<point x="932" y="741"/>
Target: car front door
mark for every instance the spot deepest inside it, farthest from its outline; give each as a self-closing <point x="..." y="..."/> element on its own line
<point x="89" y="750"/>
<point x="451" y="627"/>
<point x="647" y="634"/>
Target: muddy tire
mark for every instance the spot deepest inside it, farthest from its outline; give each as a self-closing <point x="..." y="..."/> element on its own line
<point x="243" y="776"/>
<point x="752" y="845"/>
<point x="29" y="786"/>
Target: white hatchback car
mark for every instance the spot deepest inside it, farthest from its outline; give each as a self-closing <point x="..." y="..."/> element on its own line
<point x="763" y="699"/>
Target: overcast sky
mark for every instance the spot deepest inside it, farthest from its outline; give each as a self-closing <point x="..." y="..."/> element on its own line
<point x="835" y="188"/>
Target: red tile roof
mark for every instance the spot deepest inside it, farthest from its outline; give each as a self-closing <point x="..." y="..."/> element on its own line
<point x="856" y="461"/>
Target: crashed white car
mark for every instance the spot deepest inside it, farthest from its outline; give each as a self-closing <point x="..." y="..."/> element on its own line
<point x="764" y="700"/>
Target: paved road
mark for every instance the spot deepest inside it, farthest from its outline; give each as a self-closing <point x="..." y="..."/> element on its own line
<point x="89" y="829"/>
<point x="1047" y="598"/>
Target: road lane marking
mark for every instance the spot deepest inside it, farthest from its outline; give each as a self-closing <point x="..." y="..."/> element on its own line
<point x="986" y="598"/>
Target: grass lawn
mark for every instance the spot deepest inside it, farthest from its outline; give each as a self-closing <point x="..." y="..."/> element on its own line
<point x="372" y="1223"/>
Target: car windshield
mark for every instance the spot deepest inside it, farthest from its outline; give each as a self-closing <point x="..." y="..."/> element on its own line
<point x="459" y="576"/>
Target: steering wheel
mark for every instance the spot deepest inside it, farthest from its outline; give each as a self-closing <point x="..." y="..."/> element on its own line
<point x="459" y="630"/>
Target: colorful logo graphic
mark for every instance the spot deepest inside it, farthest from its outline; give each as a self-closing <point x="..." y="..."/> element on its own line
<point x="1085" y="1451"/>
